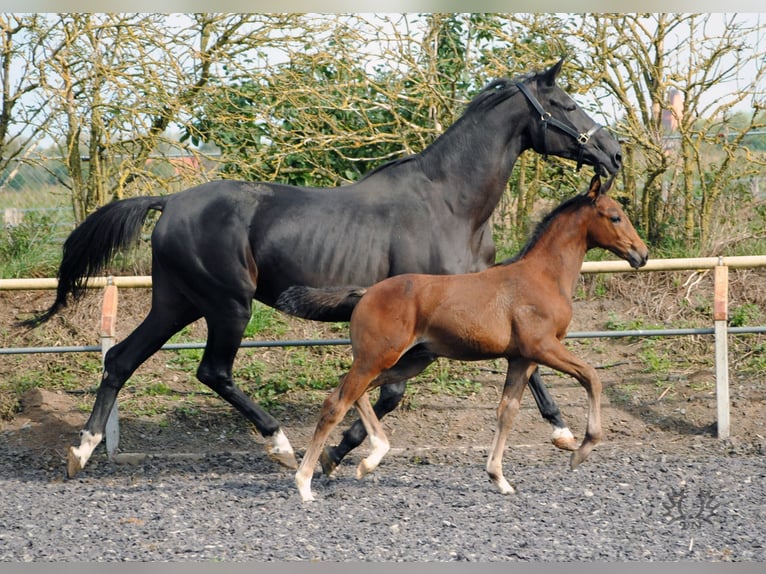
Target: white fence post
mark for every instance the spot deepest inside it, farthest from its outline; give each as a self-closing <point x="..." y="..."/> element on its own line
<point x="720" y="317"/>
<point x="108" y="323"/>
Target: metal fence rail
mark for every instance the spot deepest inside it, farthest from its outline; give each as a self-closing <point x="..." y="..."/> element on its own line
<point x="341" y="342"/>
<point x="720" y="329"/>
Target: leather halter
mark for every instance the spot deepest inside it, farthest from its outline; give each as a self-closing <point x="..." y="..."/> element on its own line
<point x="546" y="118"/>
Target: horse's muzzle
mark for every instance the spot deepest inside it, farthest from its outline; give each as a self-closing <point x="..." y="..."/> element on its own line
<point x="637" y="259"/>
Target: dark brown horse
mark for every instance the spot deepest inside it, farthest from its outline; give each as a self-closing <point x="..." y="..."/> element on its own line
<point x="518" y="310"/>
<point x="218" y="246"/>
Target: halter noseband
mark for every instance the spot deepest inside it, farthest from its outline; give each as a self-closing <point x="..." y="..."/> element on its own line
<point x="546" y="118"/>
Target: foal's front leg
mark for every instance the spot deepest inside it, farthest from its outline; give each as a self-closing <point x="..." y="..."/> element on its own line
<point x="515" y="382"/>
<point x="555" y="355"/>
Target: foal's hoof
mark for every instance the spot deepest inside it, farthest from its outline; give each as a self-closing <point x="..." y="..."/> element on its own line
<point x="328" y="462"/>
<point x="578" y="457"/>
<point x="73" y="465"/>
<point x="564" y="439"/>
<point x="364" y="469"/>
<point x="503" y="486"/>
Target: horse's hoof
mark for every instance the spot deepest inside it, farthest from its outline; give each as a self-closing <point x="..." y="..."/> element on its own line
<point x="564" y="439"/>
<point x="577" y="458"/>
<point x="286" y="459"/>
<point x="504" y="487"/>
<point x="327" y="462"/>
<point x="73" y="465"/>
<point x="363" y="469"/>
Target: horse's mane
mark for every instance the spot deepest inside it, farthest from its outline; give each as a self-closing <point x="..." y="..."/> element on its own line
<point x="572" y="204"/>
<point x="494" y="93"/>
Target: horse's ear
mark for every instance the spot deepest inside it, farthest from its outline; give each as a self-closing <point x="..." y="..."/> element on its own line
<point x="609" y="183"/>
<point x="595" y="187"/>
<point x="550" y="75"/>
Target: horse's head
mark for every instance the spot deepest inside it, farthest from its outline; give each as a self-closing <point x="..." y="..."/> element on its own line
<point x="609" y="227"/>
<point x="560" y="127"/>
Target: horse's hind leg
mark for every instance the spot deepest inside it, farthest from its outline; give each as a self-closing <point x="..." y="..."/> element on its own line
<point x="225" y="331"/>
<point x="515" y="381"/>
<point x="562" y="437"/>
<point x="119" y="364"/>
<point x="392" y="384"/>
<point x="378" y="439"/>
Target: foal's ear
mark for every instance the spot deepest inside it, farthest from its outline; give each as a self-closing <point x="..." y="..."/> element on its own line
<point x="595" y="188"/>
<point x="549" y="76"/>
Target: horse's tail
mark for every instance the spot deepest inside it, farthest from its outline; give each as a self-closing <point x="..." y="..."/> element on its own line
<point x="318" y="304"/>
<point x="92" y="244"/>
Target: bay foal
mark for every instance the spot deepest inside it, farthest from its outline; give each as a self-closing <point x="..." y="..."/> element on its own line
<point x="519" y="310"/>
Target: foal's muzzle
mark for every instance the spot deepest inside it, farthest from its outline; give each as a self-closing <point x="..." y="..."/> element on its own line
<point x="637" y="258"/>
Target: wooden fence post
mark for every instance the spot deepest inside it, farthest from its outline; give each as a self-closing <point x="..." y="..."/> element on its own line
<point x="108" y="324"/>
<point x="720" y="317"/>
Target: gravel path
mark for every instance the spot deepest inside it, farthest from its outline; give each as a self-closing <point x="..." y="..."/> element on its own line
<point x="623" y="504"/>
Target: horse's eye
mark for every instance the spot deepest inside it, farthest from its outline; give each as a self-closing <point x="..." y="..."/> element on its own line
<point x="568" y="105"/>
<point x="615" y="218"/>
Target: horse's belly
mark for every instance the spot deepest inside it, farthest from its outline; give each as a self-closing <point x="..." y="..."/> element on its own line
<point x="471" y="344"/>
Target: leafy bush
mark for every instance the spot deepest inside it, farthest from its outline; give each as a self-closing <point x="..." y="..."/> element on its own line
<point x="31" y="248"/>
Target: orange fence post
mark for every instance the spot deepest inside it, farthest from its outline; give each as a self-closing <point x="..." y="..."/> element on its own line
<point x="108" y="325"/>
<point x="721" y="318"/>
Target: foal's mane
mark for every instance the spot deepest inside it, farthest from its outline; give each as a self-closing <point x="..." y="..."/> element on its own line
<point x="571" y="204"/>
<point x="494" y="93"/>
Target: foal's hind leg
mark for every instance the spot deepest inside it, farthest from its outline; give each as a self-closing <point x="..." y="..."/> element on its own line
<point x="225" y="331"/>
<point x="378" y="439"/>
<point x="515" y="381"/>
<point x="352" y="386"/>
<point x="121" y="360"/>
<point x="392" y="384"/>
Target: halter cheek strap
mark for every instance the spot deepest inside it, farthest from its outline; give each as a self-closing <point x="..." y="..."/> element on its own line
<point x="546" y="118"/>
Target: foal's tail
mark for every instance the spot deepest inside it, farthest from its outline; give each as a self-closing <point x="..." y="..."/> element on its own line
<point x="328" y="304"/>
<point x="92" y="244"/>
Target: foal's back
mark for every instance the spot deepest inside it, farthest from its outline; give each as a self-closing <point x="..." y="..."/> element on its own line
<point x="471" y="316"/>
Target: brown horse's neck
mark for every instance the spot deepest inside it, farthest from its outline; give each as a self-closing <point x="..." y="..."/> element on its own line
<point x="560" y="251"/>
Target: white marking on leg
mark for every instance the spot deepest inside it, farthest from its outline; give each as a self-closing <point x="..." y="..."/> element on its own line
<point x="564" y="433"/>
<point x="281" y="450"/>
<point x="280" y="444"/>
<point x="504" y="486"/>
<point x="380" y="447"/>
<point x="79" y="456"/>
<point x="563" y="438"/>
<point x="495" y="468"/>
<point x="303" y="482"/>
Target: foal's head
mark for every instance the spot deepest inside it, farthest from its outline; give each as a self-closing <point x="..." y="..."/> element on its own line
<point x="609" y="227"/>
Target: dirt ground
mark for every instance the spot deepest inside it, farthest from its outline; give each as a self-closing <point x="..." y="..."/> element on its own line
<point x="657" y="396"/>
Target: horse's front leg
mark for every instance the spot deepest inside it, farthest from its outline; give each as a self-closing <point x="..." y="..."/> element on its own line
<point x="555" y="355"/>
<point x="515" y="381"/>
